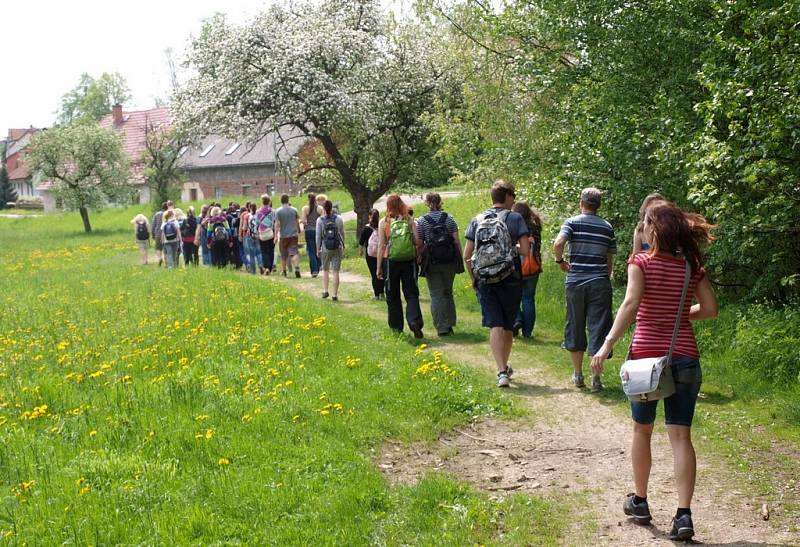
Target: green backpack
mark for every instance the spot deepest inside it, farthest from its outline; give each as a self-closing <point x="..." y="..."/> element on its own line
<point x="401" y="240"/>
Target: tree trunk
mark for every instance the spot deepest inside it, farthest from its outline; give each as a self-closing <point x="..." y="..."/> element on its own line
<point x="85" y="218"/>
<point x="362" y="204"/>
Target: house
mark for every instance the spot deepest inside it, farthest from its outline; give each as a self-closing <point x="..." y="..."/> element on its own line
<point x="219" y="166"/>
<point x="21" y="179"/>
<point x="133" y="126"/>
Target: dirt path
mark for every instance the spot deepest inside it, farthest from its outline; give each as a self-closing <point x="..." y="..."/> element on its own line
<point x="573" y="448"/>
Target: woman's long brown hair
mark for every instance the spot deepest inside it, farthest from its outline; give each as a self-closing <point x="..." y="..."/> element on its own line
<point x="675" y="231"/>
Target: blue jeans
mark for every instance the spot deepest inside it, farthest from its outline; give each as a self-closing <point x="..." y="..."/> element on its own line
<point x="527" y="313"/>
<point x="311" y="250"/>
<point x="204" y="247"/>
<point x="252" y="251"/>
<point x="678" y="407"/>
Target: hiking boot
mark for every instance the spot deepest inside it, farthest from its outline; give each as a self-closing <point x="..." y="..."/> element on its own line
<point x="502" y="379"/>
<point x="416" y="329"/>
<point x="682" y="528"/>
<point x="639" y="511"/>
<point x="335" y="298"/>
<point x="297" y="273"/>
<point x="597" y="385"/>
<point x="577" y="379"/>
<point x="325" y="295"/>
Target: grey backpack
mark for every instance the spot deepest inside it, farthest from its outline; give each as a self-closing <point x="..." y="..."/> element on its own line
<point x="493" y="257"/>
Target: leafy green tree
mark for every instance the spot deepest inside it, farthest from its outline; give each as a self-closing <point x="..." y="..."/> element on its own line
<point x="86" y="165"/>
<point x="93" y="98"/>
<point x="340" y="72"/>
<point x="7" y="192"/>
<point x="160" y="157"/>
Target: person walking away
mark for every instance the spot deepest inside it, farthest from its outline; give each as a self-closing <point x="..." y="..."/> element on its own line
<point x="265" y="217"/>
<point x="201" y="236"/>
<point x="252" y="244"/>
<point x="396" y="242"/>
<point x="653" y="297"/>
<point x="531" y="268"/>
<point x="243" y="235"/>
<point x="288" y="228"/>
<point x="368" y="246"/>
<point x="491" y="256"/>
<point x="158" y="220"/>
<point x="235" y="245"/>
<point x="189" y="238"/>
<point x="170" y="238"/>
<point x="309" y="215"/>
<point x="592" y="245"/>
<point x="218" y="234"/>
<point x="141" y="232"/>
<point x="329" y="243"/>
<point x="440" y="246"/>
<point x="639" y="243"/>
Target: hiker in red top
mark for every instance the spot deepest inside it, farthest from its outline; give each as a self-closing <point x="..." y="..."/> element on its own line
<point x="655" y="285"/>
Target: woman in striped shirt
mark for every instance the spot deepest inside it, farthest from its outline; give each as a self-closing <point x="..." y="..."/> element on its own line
<point x="655" y="283"/>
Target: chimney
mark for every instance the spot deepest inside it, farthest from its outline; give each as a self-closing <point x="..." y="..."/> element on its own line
<point x="116" y="113"/>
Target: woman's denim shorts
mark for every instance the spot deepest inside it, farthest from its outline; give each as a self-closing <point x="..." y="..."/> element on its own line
<point x="678" y="407"/>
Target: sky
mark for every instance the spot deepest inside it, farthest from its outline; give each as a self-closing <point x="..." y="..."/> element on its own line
<point x="48" y="44"/>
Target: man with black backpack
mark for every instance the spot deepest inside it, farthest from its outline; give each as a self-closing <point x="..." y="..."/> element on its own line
<point x="329" y="236"/>
<point x="440" y="249"/>
<point x="491" y="254"/>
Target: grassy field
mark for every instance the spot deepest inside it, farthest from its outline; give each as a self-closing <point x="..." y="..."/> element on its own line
<point x="144" y="406"/>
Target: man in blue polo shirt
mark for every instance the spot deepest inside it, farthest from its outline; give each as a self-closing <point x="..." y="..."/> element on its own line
<point x="592" y="245"/>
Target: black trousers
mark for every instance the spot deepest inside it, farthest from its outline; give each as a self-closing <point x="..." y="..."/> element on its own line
<point x="378" y="285"/>
<point x="220" y="253"/>
<point x="402" y="273"/>
<point x="190" y="255"/>
<point x="267" y="253"/>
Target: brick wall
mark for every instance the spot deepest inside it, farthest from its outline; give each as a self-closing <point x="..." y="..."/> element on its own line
<point x="243" y="180"/>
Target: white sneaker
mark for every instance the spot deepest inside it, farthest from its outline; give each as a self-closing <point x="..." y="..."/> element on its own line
<point x="503" y="380"/>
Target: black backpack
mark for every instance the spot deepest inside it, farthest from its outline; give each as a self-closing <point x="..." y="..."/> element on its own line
<point x="330" y="233"/>
<point x="188" y="226"/>
<point x="170" y="232"/>
<point x="142" y="233"/>
<point x="441" y="246"/>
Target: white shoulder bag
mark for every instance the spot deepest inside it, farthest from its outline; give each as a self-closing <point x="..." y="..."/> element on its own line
<point x="650" y="379"/>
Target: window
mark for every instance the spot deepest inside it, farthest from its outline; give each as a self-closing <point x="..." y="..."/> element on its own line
<point x="232" y="149"/>
<point x="218" y="192"/>
<point x="182" y="151"/>
<point x="207" y="149"/>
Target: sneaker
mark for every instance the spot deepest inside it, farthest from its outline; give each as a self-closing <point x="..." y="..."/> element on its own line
<point x="503" y="380"/>
<point x="639" y="511"/>
<point x="509" y="370"/>
<point x="325" y="295"/>
<point x="416" y="329"/>
<point x="284" y="273"/>
<point x="682" y="528"/>
<point x="297" y="273"/>
<point x="335" y="298"/>
<point x="577" y="379"/>
<point x="597" y="385"/>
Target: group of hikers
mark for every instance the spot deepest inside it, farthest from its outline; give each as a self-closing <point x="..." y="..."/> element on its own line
<point x="502" y="255"/>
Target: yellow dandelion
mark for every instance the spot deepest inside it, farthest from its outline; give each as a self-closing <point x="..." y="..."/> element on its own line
<point x="224" y="461"/>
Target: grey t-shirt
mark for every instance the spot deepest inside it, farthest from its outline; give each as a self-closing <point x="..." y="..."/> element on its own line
<point x="591" y="240"/>
<point x="289" y="219"/>
<point x="320" y="227"/>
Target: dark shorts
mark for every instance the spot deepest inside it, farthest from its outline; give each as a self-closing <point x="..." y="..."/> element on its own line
<point x="288" y="246"/>
<point x="678" y="407"/>
<point x="500" y="303"/>
<point x="588" y="308"/>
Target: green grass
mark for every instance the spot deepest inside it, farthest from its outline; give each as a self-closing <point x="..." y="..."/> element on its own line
<point x="139" y="405"/>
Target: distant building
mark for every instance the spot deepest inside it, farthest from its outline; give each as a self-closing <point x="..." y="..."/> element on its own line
<point x="21" y="179"/>
<point x="221" y="167"/>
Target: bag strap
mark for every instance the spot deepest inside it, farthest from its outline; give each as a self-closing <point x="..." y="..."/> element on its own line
<point x="677" y="326"/>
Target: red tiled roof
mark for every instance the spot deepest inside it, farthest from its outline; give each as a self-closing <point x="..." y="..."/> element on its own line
<point x="19" y="173"/>
<point x="133" y="127"/>
<point x="16" y="134"/>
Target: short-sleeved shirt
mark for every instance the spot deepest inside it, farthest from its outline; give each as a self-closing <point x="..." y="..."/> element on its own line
<point x="429" y="220"/>
<point x="289" y="220"/>
<point x="320" y="226"/>
<point x="514" y="221"/>
<point x="156" y="224"/>
<point x="591" y="240"/>
<point x="663" y="283"/>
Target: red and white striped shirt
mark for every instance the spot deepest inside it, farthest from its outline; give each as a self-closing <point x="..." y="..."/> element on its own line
<point x="663" y="283"/>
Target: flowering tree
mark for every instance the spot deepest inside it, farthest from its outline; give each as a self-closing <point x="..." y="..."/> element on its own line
<point x="86" y="165"/>
<point x="339" y="72"/>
